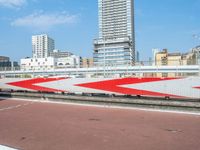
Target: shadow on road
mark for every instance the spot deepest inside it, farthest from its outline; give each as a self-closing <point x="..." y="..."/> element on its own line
<point x="5" y="96"/>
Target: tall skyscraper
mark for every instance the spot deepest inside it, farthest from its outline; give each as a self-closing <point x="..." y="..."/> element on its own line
<point x="42" y="45"/>
<point x="116" y="43"/>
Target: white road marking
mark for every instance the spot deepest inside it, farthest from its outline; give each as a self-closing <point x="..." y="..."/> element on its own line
<point x="15" y="106"/>
<point x="6" y="148"/>
<point x="106" y="106"/>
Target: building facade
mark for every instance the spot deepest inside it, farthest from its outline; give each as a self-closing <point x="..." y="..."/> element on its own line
<point x="196" y="50"/>
<point x="41" y="64"/>
<point x="6" y="64"/>
<point x="154" y="52"/>
<point x="49" y="63"/>
<point x="42" y="45"/>
<point x="116" y="42"/>
<point x="4" y="59"/>
<point x="163" y="58"/>
<point x="72" y="61"/>
<point x="59" y="54"/>
<point x="87" y="62"/>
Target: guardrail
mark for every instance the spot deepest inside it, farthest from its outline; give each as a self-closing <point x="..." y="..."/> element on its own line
<point x="153" y="103"/>
<point x="178" y="71"/>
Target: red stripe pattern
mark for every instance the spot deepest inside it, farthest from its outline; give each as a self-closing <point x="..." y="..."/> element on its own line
<point x="114" y="86"/>
<point x="31" y="84"/>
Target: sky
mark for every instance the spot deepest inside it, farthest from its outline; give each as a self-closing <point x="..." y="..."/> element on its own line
<point x="73" y="24"/>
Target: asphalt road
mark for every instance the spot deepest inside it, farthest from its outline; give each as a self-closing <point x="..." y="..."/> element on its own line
<point x="27" y="125"/>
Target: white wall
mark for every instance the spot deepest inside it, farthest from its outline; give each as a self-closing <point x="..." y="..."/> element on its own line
<point x="69" y="62"/>
<point x="49" y="63"/>
<point x="37" y="63"/>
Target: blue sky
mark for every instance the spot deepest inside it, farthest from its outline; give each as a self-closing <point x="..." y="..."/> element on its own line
<point x="74" y="24"/>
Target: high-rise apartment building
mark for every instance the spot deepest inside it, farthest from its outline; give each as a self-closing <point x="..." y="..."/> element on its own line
<point x="42" y="45"/>
<point x="116" y="43"/>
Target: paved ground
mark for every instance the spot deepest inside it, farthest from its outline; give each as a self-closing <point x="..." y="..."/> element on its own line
<point x="45" y="126"/>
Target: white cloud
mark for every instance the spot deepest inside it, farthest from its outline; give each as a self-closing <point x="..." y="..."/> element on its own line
<point x="12" y="3"/>
<point x="42" y="21"/>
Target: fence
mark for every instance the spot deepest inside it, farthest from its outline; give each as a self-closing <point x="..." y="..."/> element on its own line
<point x="140" y="69"/>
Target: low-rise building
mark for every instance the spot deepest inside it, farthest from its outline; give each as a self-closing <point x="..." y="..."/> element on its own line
<point x="174" y="59"/>
<point x="87" y="62"/>
<point x="72" y="61"/>
<point x="50" y="63"/>
<point x="163" y="58"/>
<point x="189" y="59"/>
<point x="60" y="54"/>
<point x="42" y="64"/>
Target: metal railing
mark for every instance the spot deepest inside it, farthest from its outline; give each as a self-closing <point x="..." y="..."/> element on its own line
<point x="140" y="69"/>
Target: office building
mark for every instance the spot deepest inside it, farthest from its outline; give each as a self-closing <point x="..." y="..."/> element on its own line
<point x="6" y="64"/>
<point x="116" y="43"/>
<point x="42" y="45"/>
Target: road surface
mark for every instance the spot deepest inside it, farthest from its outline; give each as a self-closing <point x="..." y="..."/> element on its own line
<point x="33" y="125"/>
